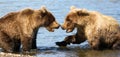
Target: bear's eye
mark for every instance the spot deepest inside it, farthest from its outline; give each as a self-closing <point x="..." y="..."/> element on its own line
<point x="43" y="15"/>
<point x="68" y="20"/>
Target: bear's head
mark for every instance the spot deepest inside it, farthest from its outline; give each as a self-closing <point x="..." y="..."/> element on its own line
<point x="49" y="20"/>
<point x="41" y="18"/>
<point x="74" y="18"/>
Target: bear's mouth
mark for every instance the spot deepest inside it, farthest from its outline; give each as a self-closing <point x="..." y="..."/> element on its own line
<point x="50" y="29"/>
<point x="69" y="30"/>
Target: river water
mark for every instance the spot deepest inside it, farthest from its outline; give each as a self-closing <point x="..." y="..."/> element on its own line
<point x="46" y="40"/>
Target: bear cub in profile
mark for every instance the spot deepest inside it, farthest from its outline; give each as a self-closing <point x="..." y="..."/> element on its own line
<point x="101" y="31"/>
<point x="20" y="28"/>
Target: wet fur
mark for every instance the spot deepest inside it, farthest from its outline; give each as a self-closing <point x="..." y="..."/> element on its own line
<point x="101" y="31"/>
<point x="20" y="28"/>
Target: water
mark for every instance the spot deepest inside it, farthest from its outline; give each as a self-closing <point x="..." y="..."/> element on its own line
<point x="46" y="40"/>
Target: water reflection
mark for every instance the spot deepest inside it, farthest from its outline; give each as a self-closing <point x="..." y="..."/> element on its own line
<point x="78" y="52"/>
<point x="105" y="53"/>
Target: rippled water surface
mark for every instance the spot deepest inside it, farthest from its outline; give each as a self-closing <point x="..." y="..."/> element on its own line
<point x="46" y="40"/>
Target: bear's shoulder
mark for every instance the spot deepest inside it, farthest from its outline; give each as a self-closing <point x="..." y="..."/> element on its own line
<point x="27" y="11"/>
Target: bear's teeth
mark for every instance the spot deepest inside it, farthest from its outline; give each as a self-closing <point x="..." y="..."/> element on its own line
<point x="69" y="30"/>
<point x="52" y="30"/>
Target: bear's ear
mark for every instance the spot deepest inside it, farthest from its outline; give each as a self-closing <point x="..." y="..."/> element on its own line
<point x="27" y="11"/>
<point x="43" y="9"/>
<point x="72" y="7"/>
<point x="82" y="12"/>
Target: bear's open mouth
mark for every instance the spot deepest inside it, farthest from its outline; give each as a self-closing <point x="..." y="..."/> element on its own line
<point x="50" y="29"/>
<point x="69" y="30"/>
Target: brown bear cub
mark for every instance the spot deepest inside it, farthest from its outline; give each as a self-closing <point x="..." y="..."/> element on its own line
<point x="101" y="31"/>
<point x="20" y="28"/>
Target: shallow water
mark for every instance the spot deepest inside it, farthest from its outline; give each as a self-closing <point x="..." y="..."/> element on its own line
<point x="46" y="40"/>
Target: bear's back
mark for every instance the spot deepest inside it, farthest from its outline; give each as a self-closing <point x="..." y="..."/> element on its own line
<point x="9" y="17"/>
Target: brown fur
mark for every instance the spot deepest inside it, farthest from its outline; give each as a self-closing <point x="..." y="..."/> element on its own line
<point x="100" y="30"/>
<point x="20" y="28"/>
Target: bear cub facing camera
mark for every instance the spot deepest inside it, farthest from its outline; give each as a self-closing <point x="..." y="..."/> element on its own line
<point x="20" y="28"/>
<point x="101" y="31"/>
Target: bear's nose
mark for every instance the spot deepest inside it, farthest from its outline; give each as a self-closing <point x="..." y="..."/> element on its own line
<point x="62" y="28"/>
<point x="57" y="27"/>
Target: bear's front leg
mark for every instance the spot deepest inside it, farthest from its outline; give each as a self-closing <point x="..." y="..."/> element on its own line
<point x="74" y="39"/>
<point x="34" y="45"/>
<point x="67" y="40"/>
<point x="26" y="44"/>
<point x="17" y="45"/>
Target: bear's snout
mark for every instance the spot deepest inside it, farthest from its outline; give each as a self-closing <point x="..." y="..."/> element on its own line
<point x="57" y="26"/>
<point x="62" y="28"/>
